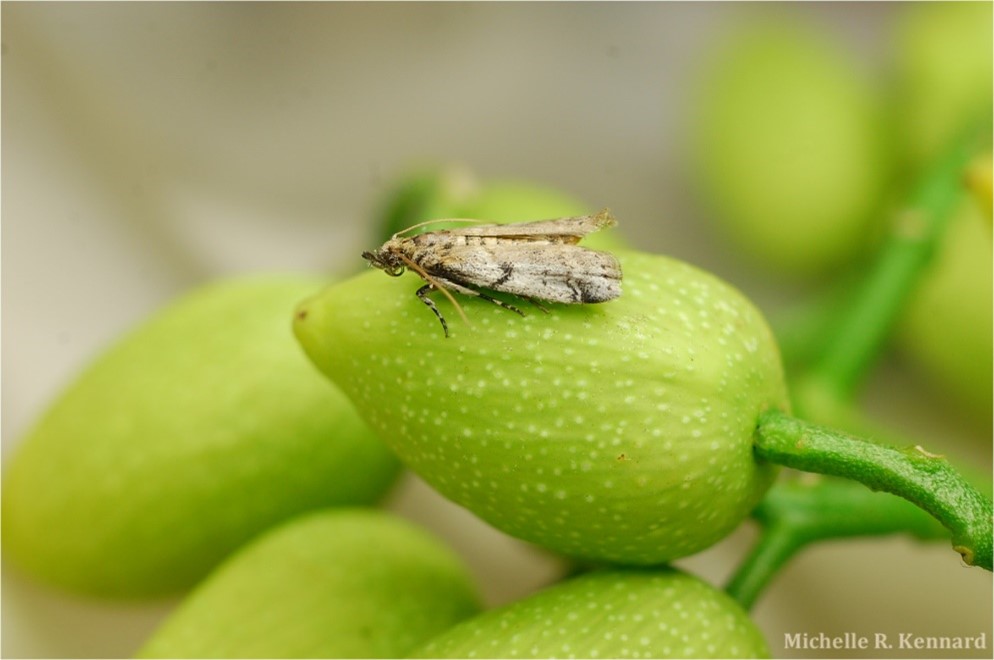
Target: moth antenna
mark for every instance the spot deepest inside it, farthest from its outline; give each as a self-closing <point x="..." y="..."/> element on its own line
<point x="431" y="280"/>
<point x="429" y="222"/>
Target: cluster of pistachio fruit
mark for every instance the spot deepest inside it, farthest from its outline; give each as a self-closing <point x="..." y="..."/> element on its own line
<point x="205" y="451"/>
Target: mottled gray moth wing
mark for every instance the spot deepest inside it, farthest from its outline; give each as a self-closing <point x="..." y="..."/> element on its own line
<point x="577" y="227"/>
<point x="565" y="274"/>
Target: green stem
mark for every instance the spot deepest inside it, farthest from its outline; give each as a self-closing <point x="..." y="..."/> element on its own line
<point x="924" y="479"/>
<point x="874" y="307"/>
<point x="776" y="545"/>
<point x="802" y="511"/>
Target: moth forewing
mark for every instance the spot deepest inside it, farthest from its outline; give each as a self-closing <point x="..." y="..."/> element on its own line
<point x="557" y="273"/>
<point x="535" y="260"/>
<point x="576" y="227"/>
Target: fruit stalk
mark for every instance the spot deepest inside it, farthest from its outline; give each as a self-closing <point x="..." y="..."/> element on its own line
<point x="925" y="479"/>
<point x="799" y="512"/>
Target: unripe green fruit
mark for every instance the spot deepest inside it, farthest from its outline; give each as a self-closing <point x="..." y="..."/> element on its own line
<point x="424" y="195"/>
<point x="620" y="431"/>
<point x="945" y="69"/>
<point x="335" y="584"/>
<point x="203" y="427"/>
<point x="453" y="193"/>
<point x="947" y="326"/>
<point x="945" y="73"/>
<point x="519" y="201"/>
<point x="610" y="614"/>
<point x="788" y="149"/>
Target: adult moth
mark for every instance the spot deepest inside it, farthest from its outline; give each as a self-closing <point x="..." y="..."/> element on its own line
<point x="534" y="260"/>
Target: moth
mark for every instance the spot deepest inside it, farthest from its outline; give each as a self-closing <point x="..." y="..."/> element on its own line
<point x="537" y="261"/>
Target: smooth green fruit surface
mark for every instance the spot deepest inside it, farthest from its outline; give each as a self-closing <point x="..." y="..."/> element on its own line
<point x="610" y="614"/>
<point x="789" y="149"/>
<point x="620" y="431"/>
<point x="334" y="584"/>
<point x="201" y="428"/>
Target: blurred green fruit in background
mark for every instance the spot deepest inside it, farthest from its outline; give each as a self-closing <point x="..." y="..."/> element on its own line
<point x="454" y="193"/>
<point x="517" y="201"/>
<point x="203" y="427"/>
<point x="944" y="73"/>
<point x="335" y="584"/>
<point x="431" y="193"/>
<point x="944" y="88"/>
<point x="948" y="324"/>
<point x="788" y="148"/>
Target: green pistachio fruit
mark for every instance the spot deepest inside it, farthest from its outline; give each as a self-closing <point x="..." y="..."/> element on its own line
<point x="333" y="584"/>
<point x="947" y="326"/>
<point x="620" y="431"/>
<point x="610" y="614"/>
<point x="944" y="70"/>
<point x="453" y="193"/>
<point x="203" y="427"/>
<point x="788" y="148"/>
<point x="519" y="201"/>
<point x="422" y="195"/>
<point x="944" y="65"/>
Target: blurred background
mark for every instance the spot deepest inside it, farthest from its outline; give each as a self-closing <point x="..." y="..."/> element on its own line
<point x="151" y="147"/>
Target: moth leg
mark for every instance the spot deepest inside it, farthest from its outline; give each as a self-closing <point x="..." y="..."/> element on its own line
<point x="500" y="303"/>
<point x="479" y="294"/>
<point x="422" y="295"/>
<point x="537" y="304"/>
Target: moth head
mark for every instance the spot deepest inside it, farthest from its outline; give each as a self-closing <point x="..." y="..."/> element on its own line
<point x="388" y="262"/>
